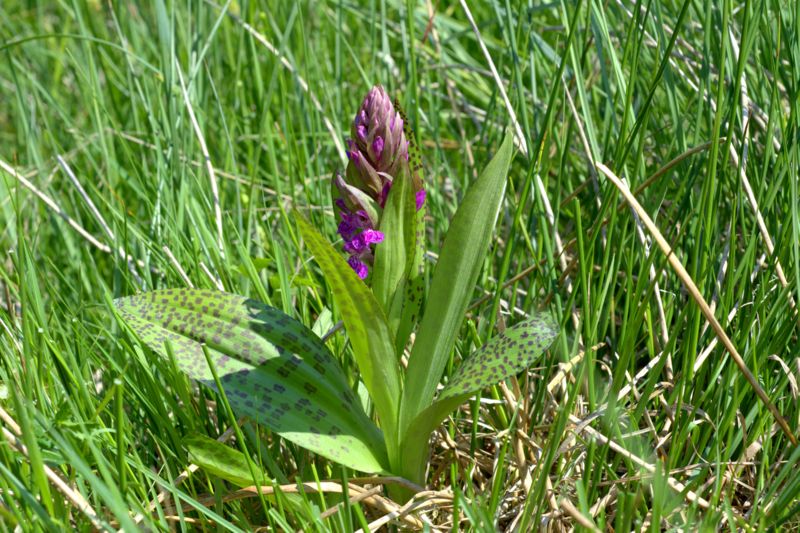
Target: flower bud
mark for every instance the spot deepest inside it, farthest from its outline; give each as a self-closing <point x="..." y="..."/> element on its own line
<point x="352" y="199"/>
<point x="379" y="145"/>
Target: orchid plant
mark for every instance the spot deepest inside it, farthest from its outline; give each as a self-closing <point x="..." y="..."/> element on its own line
<point x="279" y="373"/>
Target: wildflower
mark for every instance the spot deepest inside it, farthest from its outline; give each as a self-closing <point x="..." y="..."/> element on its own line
<point x="377" y="153"/>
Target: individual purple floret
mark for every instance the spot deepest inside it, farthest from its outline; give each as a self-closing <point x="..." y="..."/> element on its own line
<point x="360" y="268"/>
<point x="420" y="198"/>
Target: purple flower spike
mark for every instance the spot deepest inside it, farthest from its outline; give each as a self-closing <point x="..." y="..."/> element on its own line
<point x="377" y="154"/>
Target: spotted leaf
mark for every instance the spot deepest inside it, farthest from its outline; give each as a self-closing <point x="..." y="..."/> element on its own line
<point x="503" y="356"/>
<point x="414" y="154"/>
<point x="366" y="326"/>
<point x="273" y="369"/>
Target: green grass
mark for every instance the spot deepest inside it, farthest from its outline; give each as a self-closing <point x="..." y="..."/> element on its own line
<point x="651" y="428"/>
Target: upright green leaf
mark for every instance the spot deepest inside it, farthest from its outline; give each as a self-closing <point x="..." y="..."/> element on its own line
<point x="366" y="326"/>
<point x="273" y="369"/>
<point x="397" y="277"/>
<point x="413" y="289"/>
<point x="453" y="281"/>
<point x="394" y="257"/>
<point x="503" y="356"/>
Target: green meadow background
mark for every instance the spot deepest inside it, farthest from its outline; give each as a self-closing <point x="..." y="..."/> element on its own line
<point x="160" y="144"/>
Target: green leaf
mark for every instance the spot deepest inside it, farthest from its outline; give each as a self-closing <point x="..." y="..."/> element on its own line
<point x="366" y="326"/>
<point x="453" y="281"/>
<point x="394" y="257"/>
<point x="223" y="461"/>
<point x="230" y="464"/>
<point x="503" y="356"/>
<point x="413" y="290"/>
<point x="274" y="370"/>
<point x="414" y="153"/>
<point x="410" y="292"/>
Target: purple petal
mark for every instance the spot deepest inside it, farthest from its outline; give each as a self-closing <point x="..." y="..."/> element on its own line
<point x="420" y="198"/>
<point x="356" y="245"/>
<point x="371" y="236"/>
<point x="346" y="230"/>
<point x="359" y="267"/>
<point x="377" y="147"/>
